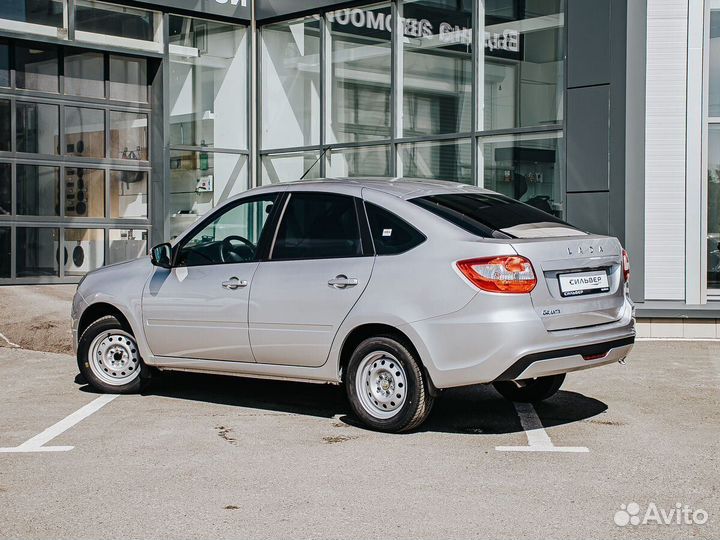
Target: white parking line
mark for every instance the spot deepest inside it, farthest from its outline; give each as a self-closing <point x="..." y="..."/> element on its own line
<point x="13" y="345"/>
<point x="36" y="444"/>
<point x="538" y="439"/>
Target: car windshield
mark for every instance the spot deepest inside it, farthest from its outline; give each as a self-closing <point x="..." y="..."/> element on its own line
<point x="492" y="215"/>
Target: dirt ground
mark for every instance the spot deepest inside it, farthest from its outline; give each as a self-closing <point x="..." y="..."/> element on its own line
<point x="36" y="317"/>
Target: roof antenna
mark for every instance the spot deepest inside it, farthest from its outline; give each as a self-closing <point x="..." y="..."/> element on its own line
<point x="315" y="163"/>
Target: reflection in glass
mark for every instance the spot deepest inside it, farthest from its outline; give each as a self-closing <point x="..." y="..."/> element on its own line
<point x="85" y="74"/>
<point x="714" y="65"/>
<point x="360" y="88"/>
<point x="114" y="20"/>
<point x="128" y="194"/>
<point x="127" y="244"/>
<point x="38" y="190"/>
<point x="5" y="243"/>
<point x="523" y="70"/>
<point x="5" y="125"/>
<point x="37" y="252"/>
<point x="363" y="161"/>
<point x="713" y="217"/>
<point x="525" y="167"/>
<point x="46" y="12"/>
<point x="4" y="64"/>
<point x="442" y="160"/>
<point x="278" y="168"/>
<point x="437" y="59"/>
<point x="208" y="83"/>
<point x="37" y="128"/>
<point x="128" y="79"/>
<point x="128" y="136"/>
<point x="200" y="181"/>
<point x="5" y="189"/>
<point x="84" y="132"/>
<point x="84" y="192"/>
<point x="84" y="251"/>
<point x="290" y="58"/>
<point x="36" y="68"/>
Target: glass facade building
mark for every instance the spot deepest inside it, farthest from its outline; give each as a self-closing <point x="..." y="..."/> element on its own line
<point x="123" y="123"/>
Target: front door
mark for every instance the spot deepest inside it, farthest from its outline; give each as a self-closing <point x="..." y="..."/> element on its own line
<point x="199" y="308"/>
<point x="317" y="271"/>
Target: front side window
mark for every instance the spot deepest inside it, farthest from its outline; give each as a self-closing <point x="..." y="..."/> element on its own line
<point x="233" y="236"/>
<point x="318" y="226"/>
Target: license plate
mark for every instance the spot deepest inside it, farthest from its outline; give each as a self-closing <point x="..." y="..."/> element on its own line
<point x="580" y="283"/>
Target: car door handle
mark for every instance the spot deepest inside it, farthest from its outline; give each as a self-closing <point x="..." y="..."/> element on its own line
<point x="234" y="283"/>
<point x="342" y="282"/>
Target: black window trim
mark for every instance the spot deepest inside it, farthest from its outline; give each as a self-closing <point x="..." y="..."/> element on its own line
<point x="263" y="243"/>
<point x="289" y="194"/>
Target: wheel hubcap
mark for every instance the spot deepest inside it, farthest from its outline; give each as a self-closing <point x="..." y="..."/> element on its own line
<point x="114" y="357"/>
<point x="381" y="384"/>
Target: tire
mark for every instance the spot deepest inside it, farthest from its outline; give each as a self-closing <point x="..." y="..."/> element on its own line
<point x="533" y="390"/>
<point x="109" y="359"/>
<point x="386" y="386"/>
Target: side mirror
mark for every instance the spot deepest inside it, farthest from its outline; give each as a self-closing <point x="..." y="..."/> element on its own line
<point x="161" y="255"/>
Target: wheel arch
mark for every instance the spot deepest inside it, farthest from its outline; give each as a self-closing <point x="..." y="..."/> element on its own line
<point x="102" y="309"/>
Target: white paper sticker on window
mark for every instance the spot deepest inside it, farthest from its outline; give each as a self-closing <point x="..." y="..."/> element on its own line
<point x="387" y="232"/>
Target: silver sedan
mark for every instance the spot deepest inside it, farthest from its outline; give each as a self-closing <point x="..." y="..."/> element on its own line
<point x="397" y="289"/>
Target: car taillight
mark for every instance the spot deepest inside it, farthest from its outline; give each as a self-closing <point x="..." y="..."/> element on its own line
<point x="626" y="265"/>
<point x="510" y="274"/>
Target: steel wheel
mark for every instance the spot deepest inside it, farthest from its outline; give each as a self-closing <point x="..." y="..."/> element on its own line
<point x="113" y="357"/>
<point x="381" y="384"/>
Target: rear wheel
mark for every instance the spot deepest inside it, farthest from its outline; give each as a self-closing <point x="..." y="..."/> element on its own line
<point x="386" y="386"/>
<point x="109" y="359"/>
<point x="530" y="390"/>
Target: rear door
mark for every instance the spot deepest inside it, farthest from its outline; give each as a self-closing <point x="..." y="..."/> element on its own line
<point x="318" y="268"/>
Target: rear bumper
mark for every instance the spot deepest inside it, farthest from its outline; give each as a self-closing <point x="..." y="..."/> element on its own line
<point x="488" y="341"/>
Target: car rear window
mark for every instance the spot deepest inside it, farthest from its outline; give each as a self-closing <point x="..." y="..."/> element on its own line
<point x="495" y="216"/>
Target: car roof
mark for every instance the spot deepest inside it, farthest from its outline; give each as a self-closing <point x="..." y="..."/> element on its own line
<point x="404" y="188"/>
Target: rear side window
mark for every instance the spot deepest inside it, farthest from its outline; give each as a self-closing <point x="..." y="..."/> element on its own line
<point x="391" y="234"/>
<point x="318" y="226"/>
<point x="495" y="216"/>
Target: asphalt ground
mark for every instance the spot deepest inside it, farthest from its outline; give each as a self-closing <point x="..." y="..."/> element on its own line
<point x="201" y="456"/>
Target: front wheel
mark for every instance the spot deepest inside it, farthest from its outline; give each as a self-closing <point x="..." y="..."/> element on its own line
<point x="109" y="359"/>
<point x="386" y="386"/>
<point x="530" y="390"/>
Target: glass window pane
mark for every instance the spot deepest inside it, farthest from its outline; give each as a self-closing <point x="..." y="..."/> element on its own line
<point x="128" y="79"/>
<point x="85" y="74"/>
<point x="291" y="166"/>
<point x="127" y="244"/>
<point x="714" y="65"/>
<point x="5" y="124"/>
<point x="291" y="83"/>
<point x="114" y="20"/>
<point x="391" y="234"/>
<point x="128" y="194"/>
<point x="5" y="241"/>
<point x="318" y="226"/>
<point x="47" y="12"/>
<point x="37" y="128"/>
<point x="5" y="189"/>
<point x="437" y="67"/>
<point x="4" y="64"/>
<point x="442" y="160"/>
<point x="128" y="135"/>
<point x="38" y="190"/>
<point x="525" y="167"/>
<point x="214" y="245"/>
<point x="36" y="68"/>
<point x="84" y="192"/>
<point x="208" y="84"/>
<point x="713" y="218"/>
<point x="524" y="70"/>
<point x="364" y="161"/>
<point x="360" y="87"/>
<point x="85" y="132"/>
<point x="84" y="251"/>
<point x="38" y="252"/>
<point x="199" y="181"/>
